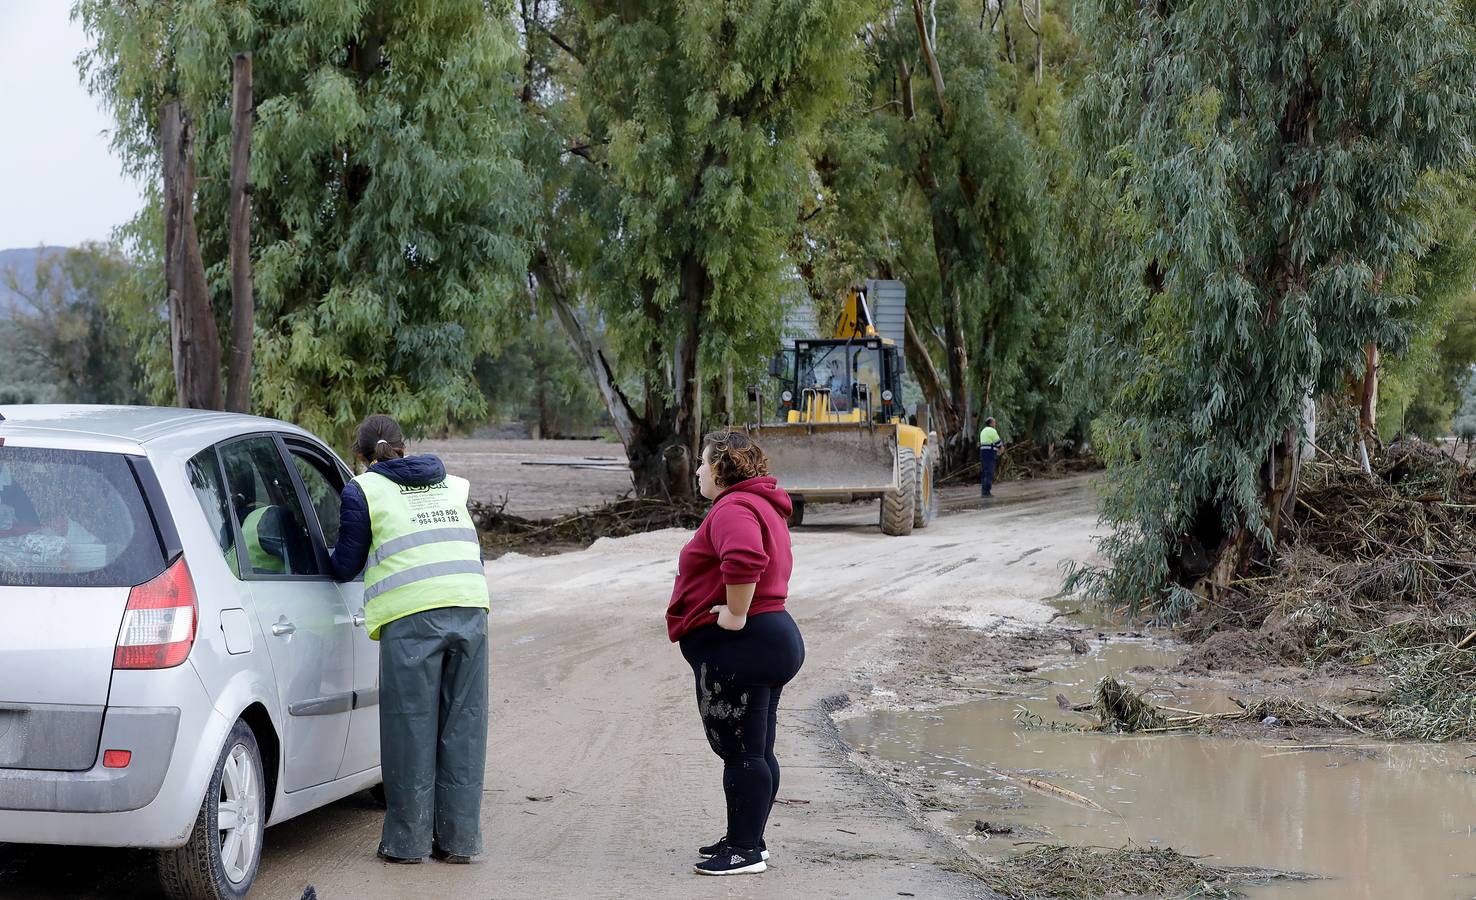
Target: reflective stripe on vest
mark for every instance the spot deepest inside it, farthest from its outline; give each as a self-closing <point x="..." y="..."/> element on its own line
<point x="423" y="551"/>
<point x="263" y="562"/>
<point x="420" y="539"/>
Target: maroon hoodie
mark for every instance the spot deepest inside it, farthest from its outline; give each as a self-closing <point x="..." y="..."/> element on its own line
<point x="743" y="540"/>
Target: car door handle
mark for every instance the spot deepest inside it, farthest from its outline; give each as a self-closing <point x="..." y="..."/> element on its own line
<point x="283" y="627"/>
<point x="359" y="619"/>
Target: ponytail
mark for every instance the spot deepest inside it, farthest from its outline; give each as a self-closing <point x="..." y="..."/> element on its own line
<point x="379" y="439"/>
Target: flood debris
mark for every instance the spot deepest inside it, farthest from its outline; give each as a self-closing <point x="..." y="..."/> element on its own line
<point x="1042" y="786"/>
<point x="502" y="532"/>
<point x="1078" y="873"/>
<point x="1377" y="575"/>
<point x="1123" y="710"/>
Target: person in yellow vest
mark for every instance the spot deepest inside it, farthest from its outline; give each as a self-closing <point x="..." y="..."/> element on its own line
<point x="989" y="447"/>
<point x="261" y="531"/>
<point x="405" y="525"/>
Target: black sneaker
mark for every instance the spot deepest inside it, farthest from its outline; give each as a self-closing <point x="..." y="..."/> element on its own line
<point x="397" y="860"/>
<point x="712" y="850"/>
<point x="733" y="861"/>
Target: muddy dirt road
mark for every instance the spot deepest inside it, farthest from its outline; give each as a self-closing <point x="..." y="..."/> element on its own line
<point x="599" y="780"/>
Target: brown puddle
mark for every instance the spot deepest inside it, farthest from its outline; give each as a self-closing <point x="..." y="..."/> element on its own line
<point x="1396" y="823"/>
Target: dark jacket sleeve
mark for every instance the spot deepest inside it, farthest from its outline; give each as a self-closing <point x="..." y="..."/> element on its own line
<point x="352" y="551"/>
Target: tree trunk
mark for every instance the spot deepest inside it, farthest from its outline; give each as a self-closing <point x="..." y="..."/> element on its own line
<point x="953" y="404"/>
<point x="1368" y="399"/>
<point x="931" y="59"/>
<point x="545" y="427"/>
<point x="657" y="441"/>
<point x="243" y="303"/>
<point x="686" y="408"/>
<point x="959" y="442"/>
<point x="584" y="345"/>
<point x="728" y="413"/>
<point x="952" y="323"/>
<point x="194" y="338"/>
<point x="1034" y="25"/>
<point x="1280" y="478"/>
<point x="928" y="378"/>
<point x="697" y="412"/>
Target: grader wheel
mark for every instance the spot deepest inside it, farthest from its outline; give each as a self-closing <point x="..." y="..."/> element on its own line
<point x="898" y="509"/>
<point x="927" y="492"/>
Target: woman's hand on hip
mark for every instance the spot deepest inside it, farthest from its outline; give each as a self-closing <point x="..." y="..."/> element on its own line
<point x="727" y="620"/>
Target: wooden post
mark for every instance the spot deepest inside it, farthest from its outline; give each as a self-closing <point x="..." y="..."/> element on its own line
<point x="194" y="339"/>
<point x="243" y="303"/>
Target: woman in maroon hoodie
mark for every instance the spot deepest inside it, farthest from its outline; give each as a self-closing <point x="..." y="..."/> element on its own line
<point x="727" y="611"/>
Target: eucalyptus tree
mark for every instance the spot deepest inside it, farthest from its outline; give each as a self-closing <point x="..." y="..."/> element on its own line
<point x="673" y="140"/>
<point x="1264" y="170"/>
<point x="390" y="207"/>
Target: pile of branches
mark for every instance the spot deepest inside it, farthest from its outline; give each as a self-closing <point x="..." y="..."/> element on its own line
<point x="502" y="532"/>
<point x="1123" y="710"/>
<point x="1120" y="709"/>
<point x="1378" y="571"/>
<point x="1083" y="872"/>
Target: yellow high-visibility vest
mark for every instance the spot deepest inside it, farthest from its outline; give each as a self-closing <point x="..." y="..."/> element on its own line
<point x="423" y="550"/>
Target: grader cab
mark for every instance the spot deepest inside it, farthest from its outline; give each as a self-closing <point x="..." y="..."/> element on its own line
<point x="842" y="433"/>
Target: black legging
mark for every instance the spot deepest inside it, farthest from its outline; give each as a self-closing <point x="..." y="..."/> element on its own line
<point x="740" y="675"/>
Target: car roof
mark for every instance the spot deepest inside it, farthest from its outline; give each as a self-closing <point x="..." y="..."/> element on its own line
<point x="126" y="429"/>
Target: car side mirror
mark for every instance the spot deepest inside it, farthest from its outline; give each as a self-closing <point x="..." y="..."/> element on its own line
<point x="776" y="365"/>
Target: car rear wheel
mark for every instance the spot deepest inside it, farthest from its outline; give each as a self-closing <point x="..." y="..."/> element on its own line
<point x="219" y="861"/>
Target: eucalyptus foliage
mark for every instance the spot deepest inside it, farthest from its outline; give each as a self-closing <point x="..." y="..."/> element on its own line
<point x="673" y="140"/>
<point x="390" y="208"/>
<point x="956" y="194"/>
<point x="1264" y="168"/>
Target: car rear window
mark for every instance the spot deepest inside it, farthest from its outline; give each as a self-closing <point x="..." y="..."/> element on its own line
<point x="70" y="518"/>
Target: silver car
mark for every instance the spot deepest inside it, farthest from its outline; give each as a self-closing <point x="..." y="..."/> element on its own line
<point x="177" y="669"/>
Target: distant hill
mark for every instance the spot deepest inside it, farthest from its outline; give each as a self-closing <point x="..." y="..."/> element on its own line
<point x="23" y="262"/>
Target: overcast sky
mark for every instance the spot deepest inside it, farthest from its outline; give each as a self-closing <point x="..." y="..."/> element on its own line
<point x="59" y="182"/>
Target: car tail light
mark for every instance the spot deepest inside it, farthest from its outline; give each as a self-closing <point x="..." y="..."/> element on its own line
<point x="159" y="622"/>
<point x="117" y="759"/>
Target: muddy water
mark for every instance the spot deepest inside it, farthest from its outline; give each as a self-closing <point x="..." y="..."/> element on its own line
<point x="1397" y="822"/>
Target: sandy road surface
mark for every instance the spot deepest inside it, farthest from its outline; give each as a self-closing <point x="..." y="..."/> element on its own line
<point x="593" y="711"/>
<point x="538" y="490"/>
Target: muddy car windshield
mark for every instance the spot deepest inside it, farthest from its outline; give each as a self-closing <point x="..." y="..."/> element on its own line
<point x="73" y="519"/>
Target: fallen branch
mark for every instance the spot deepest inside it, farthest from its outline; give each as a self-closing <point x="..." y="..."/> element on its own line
<point x="1060" y="793"/>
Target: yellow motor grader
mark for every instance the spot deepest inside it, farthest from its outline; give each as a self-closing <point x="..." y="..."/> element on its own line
<point x="843" y="434"/>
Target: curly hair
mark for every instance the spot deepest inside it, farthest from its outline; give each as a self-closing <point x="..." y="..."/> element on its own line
<point x="734" y="457"/>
